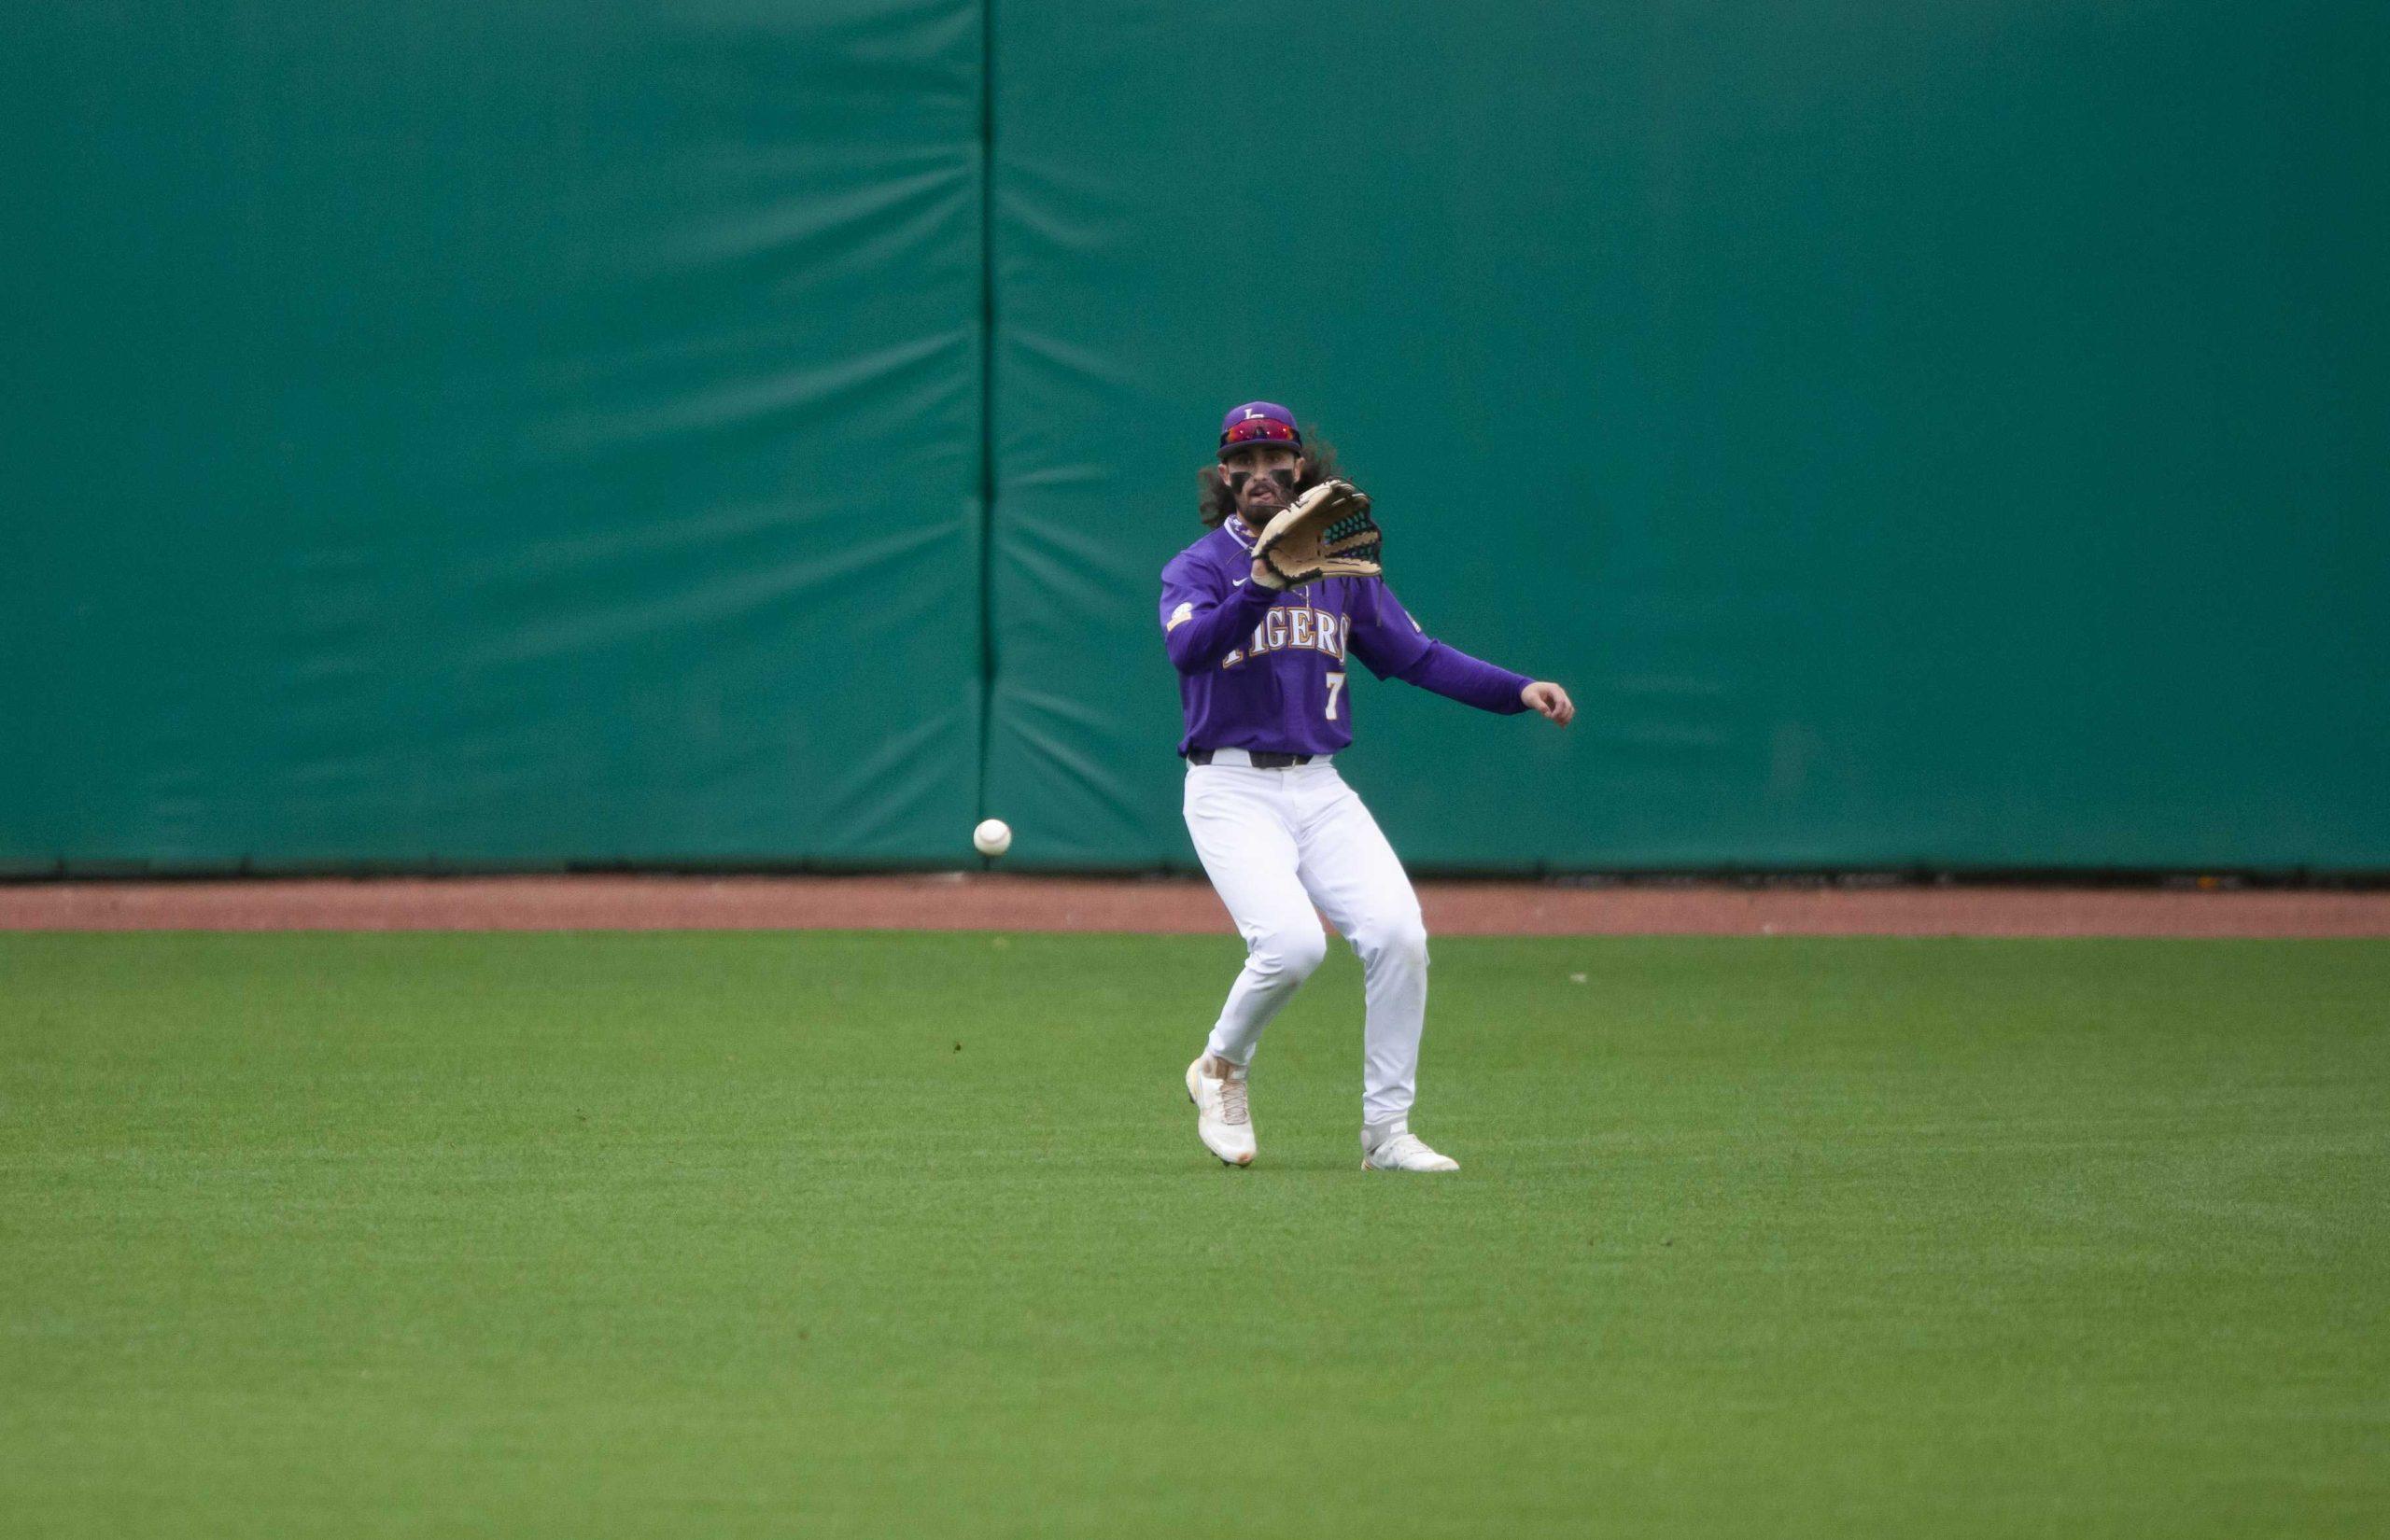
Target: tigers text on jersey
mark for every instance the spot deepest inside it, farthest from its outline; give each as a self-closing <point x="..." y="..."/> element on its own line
<point x="1262" y="668"/>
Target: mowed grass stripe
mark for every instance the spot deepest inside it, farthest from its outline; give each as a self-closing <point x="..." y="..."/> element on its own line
<point x="889" y="1234"/>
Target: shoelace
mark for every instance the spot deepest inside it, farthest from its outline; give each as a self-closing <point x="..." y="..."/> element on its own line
<point x="1397" y="1149"/>
<point x="1232" y="1108"/>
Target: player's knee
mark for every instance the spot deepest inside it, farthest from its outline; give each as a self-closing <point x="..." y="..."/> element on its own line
<point x="1400" y="940"/>
<point x="1291" y="950"/>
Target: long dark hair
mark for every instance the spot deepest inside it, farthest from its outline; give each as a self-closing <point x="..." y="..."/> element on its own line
<point x="1217" y="502"/>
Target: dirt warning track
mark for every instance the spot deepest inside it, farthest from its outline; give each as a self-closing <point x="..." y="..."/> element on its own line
<point x="993" y="901"/>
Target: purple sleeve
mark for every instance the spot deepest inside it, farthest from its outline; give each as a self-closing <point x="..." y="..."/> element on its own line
<point x="1453" y="673"/>
<point x="1203" y="619"/>
<point x="1386" y="639"/>
<point x="1380" y="631"/>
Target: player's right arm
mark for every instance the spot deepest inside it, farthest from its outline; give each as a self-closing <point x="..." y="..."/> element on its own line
<point x="1203" y="616"/>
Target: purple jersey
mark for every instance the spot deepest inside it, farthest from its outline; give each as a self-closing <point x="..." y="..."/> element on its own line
<point x="1262" y="668"/>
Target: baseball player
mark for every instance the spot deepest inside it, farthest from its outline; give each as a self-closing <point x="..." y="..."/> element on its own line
<point x="1262" y="665"/>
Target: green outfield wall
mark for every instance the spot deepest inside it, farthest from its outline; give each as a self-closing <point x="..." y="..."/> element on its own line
<point x="539" y="434"/>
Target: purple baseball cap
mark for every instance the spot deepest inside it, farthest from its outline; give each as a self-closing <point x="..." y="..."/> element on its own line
<point x="1259" y="423"/>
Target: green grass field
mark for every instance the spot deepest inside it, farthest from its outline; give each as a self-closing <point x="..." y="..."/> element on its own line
<point x="909" y="1235"/>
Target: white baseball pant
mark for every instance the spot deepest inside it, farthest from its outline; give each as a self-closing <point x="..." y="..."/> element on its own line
<point x="1276" y="842"/>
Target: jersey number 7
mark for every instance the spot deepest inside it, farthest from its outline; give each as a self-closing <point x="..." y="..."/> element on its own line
<point x="1335" y="688"/>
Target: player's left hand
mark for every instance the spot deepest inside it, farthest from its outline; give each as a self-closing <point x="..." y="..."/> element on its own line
<point x="1554" y="702"/>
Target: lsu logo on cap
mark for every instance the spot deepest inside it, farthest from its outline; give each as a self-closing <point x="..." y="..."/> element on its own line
<point x="1258" y="422"/>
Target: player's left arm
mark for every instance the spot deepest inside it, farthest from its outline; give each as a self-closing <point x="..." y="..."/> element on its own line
<point x="1384" y="636"/>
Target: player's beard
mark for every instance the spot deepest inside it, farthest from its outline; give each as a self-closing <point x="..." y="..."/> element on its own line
<point x="1263" y="496"/>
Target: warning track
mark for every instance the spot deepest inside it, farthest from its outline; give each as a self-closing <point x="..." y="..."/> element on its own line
<point x="991" y="902"/>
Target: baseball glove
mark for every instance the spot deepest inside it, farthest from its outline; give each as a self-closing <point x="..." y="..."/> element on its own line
<point x="1327" y="533"/>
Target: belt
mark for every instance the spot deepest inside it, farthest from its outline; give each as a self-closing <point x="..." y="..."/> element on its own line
<point x="1257" y="758"/>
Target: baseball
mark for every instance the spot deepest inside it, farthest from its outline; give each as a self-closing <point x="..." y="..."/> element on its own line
<point x="993" y="837"/>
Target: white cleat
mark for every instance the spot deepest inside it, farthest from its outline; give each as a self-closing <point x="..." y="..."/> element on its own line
<point x="1223" y="1120"/>
<point x="1400" y="1150"/>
